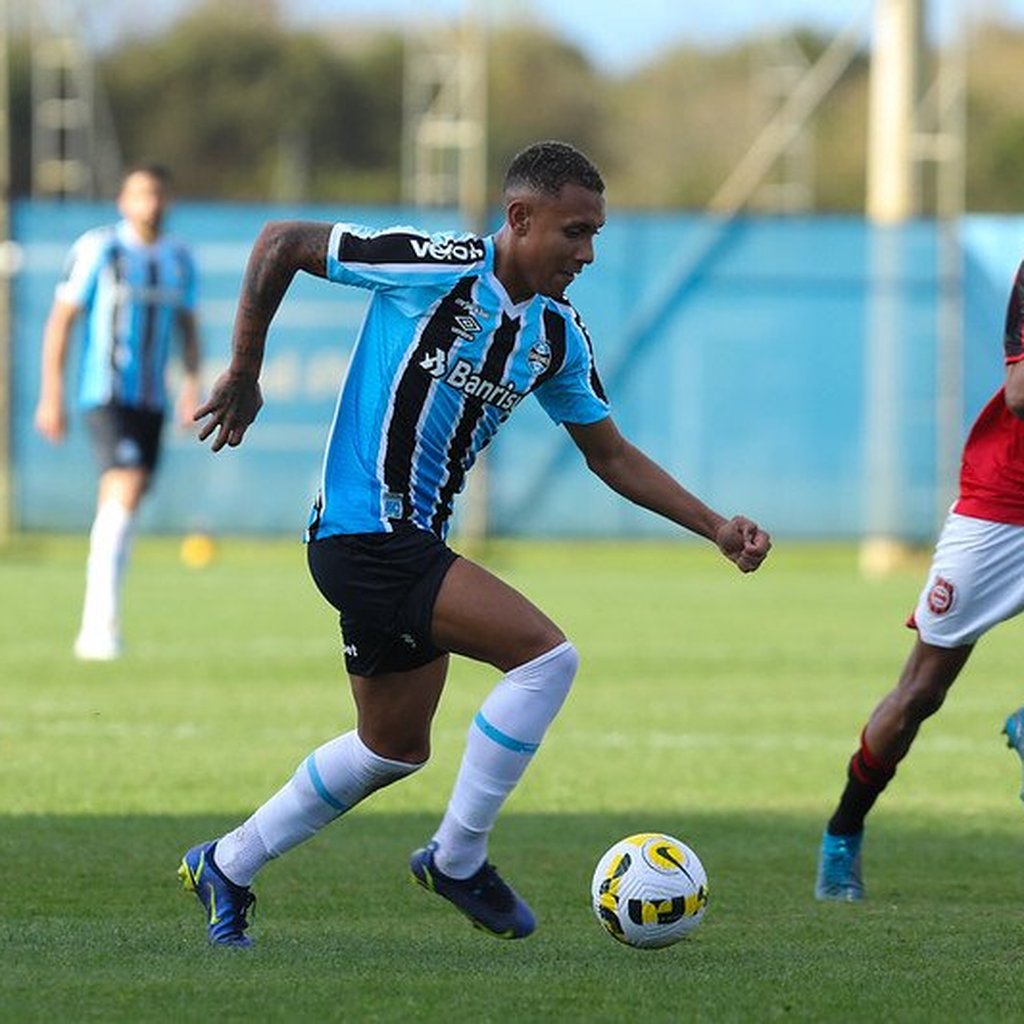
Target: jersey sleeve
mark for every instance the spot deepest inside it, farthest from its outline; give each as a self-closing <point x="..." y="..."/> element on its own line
<point x="575" y="394"/>
<point x="1013" y="337"/>
<point x="401" y="256"/>
<point x="189" y="279"/>
<point x="82" y="267"/>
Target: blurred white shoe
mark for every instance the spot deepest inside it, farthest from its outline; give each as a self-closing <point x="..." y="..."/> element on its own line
<point x="97" y="646"/>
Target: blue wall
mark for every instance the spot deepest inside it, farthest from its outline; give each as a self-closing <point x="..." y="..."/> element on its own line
<point x="735" y="354"/>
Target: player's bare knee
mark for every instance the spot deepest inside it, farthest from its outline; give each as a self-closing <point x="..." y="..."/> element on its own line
<point x="414" y="756"/>
<point x="413" y="751"/>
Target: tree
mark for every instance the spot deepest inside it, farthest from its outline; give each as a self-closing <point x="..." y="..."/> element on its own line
<point x="243" y="110"/>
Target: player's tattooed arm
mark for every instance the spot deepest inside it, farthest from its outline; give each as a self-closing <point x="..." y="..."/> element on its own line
<point x="282" y="249"/>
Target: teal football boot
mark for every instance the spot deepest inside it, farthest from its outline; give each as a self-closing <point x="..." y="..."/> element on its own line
<point x="839" y="876"/>
<point x="1013" y="730"/>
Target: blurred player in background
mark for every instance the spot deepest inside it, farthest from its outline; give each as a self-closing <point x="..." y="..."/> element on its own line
<point x="458" y="331"/>
<point x="135" y="289"/>
<point x="976" y="581"/>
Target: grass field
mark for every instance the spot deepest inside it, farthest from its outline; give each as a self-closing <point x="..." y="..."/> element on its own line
<point x="714" y="706"/>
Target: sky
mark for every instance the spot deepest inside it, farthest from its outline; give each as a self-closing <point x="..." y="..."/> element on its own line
<point x="617" y="35"/>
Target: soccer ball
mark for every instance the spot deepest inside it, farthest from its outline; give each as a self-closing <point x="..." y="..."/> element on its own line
<point x="649" y="890"/>
<point x="198" y="550"/>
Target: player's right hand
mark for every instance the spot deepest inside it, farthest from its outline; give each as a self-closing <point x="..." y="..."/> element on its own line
<point x="744" y="543"/>
<point x="51" y="420"/>
<point x="234" y="401"/>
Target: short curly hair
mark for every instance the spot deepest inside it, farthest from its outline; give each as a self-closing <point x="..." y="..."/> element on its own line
<point x="546" y="167"/>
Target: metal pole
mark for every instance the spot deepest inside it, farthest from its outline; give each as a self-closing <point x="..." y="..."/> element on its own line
<point x="950" y="189"/>
<point x="894" y="89"/>
<point x="6" y="267"/>
<point x="472" y="157"/>
<point x="892" y="198"/>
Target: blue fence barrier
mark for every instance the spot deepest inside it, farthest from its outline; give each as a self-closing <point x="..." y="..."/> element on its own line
<point x="735" y="353"/>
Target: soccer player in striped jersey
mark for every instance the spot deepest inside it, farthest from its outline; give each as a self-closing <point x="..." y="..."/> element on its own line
<point x="976" y="581"/>
<point x="459" y="330"/>
<point x="135" y="289"/>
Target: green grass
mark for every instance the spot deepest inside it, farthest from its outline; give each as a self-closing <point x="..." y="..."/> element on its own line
<point x="718" y="707"/>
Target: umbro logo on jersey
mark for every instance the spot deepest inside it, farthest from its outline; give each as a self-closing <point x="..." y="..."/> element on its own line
<point x="437" y="364"/>
<point x="447" y="250"/>
<point x="466" y="327"/>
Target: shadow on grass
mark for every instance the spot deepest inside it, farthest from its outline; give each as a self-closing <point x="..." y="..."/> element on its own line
<point x="94" y="925"/>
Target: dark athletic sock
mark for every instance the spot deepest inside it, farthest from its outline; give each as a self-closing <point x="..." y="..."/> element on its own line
<point x="867" y="776"/>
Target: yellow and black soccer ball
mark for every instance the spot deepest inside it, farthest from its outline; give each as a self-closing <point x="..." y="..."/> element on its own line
<point x="649" y="890"/>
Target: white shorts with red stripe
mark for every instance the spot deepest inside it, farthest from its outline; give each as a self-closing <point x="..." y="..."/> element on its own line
<point x="975" y="582"/>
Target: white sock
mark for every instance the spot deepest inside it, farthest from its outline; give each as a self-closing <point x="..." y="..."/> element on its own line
<point x="109" y="546"/>
<point x="502" y="741"/>
<point x="331" y="781"/>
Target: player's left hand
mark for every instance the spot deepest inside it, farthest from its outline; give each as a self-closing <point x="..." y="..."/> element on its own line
<point x="187" y="404"/>
<point x="233" y="404"/>
<point x="742" y="541"/>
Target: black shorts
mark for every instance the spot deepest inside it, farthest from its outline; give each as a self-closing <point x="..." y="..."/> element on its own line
<point x="384" y="586"/>
<point x="124" y="437"/>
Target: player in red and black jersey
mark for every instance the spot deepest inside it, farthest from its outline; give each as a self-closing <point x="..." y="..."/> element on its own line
<point x="976" y="581"/>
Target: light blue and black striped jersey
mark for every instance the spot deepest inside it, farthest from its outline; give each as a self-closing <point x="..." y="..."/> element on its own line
<point x="131" y="294"/>
<point x="442" y="358"/>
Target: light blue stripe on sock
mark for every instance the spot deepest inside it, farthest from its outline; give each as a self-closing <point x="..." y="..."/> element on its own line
<point x="509" y="742"/>
<point x="318" y="784"/>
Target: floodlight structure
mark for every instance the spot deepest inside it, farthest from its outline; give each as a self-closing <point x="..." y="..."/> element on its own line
<point x="74" y="150"/>
<point x="444" y="155"/>
<point x="782" y="65"/>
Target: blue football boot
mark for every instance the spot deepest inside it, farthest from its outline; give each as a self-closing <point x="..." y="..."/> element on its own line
<point x="1013" y="730"/>
<point x="839" y="876"/>
<point x="489" y="903"/>
<point x="225" y="903"/>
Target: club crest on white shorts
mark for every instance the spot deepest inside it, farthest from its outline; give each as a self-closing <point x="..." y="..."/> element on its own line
<point x="940" y="597"/>
<point x="986" y="561"/>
